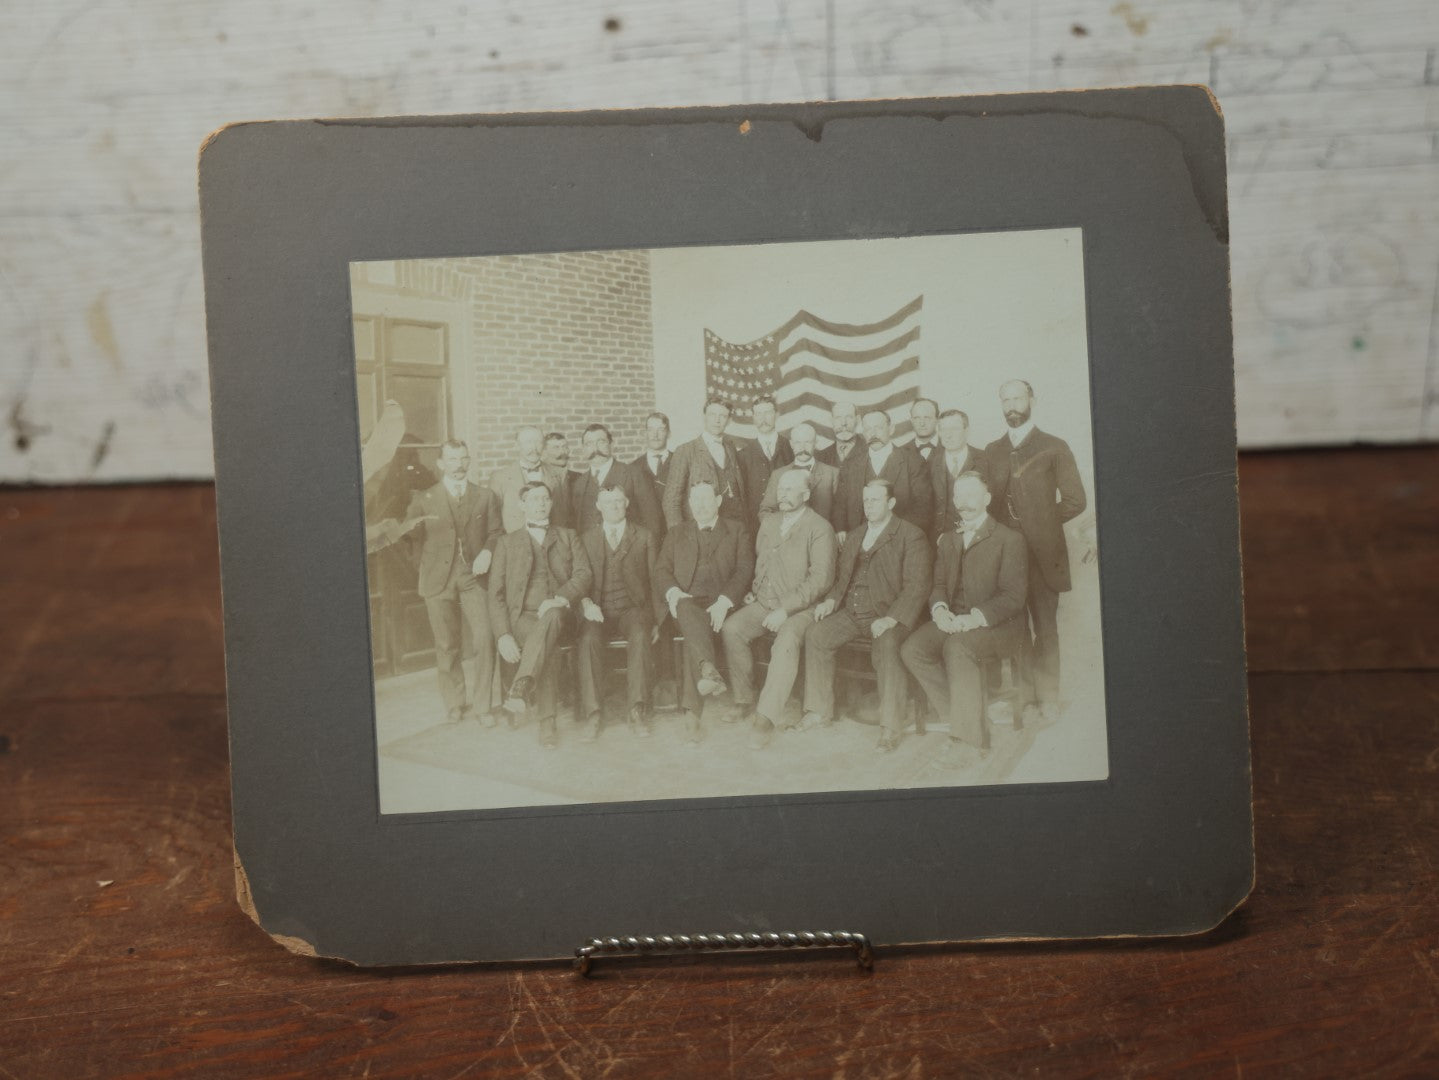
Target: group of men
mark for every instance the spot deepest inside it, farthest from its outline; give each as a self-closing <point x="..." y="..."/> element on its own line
<point x="941" y="556"/>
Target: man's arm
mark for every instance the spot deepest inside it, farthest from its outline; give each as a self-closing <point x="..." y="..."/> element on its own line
<point x="941" y="559"/>
<point x="916" y="576"/>
<point x="499" y="610"/>
<point x="819" y="573"/>
<point x="657" y="599"/>
<point x="1066" y="479"/>
<point x="770" y="503"/>
<point x="676" y="487"/>
<point x="581" y="576"/>
<point x="1008" y="600"/>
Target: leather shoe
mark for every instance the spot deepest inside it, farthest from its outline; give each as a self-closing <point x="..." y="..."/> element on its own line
<point x="734" y="714"/>
<point x="812" y="721"/>
<point x="761" y="732"/>
<point x="590" y="731"/>
<point x="520" y="692"/>
<point x="692" y="727"/>
<point x="639" y="722"/>
<point x="888" y="742"/>
<point x="709" y="683"/>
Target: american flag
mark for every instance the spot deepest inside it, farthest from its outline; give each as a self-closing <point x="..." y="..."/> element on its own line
<point x="808" y="364"/>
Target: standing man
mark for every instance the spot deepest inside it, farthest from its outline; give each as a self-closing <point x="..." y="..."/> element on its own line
<point x="906" y="473"/>
<point x="845" y="419"/>
<point x="879" y="591"/>
<point x="924" y="418"/>
<point x="759" y="459"/>
<point x="556" y="450"/>
<point x="604" y="471"/>
<point x="654" y="463"/>
<point x="977" y="603"/>
<point x="1037" y="489"/>
<point x="458" y="527"/>
<point x="620" y="603"/>
<point x="539" y="573"/>
<point x="507" y="481"/>
<point x="794" y="566"/>
<point x="823" y="479"/>
<point x="955" y="458"/>
<point x="704" y="569"/>
<point x="712" y="457"/>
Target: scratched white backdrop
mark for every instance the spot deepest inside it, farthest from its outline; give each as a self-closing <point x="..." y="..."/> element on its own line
<point x="1332" y="112"/>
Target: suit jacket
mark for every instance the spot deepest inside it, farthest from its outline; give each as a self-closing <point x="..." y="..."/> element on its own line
<point x="506" y="483"/>
<point x="658" y="482"/>
<point x="823" y="484"/>
<point x="679" y="558"/>
<point x="475" y="525"/>
<point x="691" y="463"/>
<point x="913" y="447"/>
<point x="994" y="571"/>
<point x="757" y="469"/>
<point x="583" y="492"/>
<point x="900" y="570"/>
<point x="513" y="561"/>
<point x="636" y="557"/>
<point x="794" y="571"/>
<point x="942" y="483"/>
<point x="830" y="456"/>
<point x="1036" y="490"/>
<point x="913" y="494"/>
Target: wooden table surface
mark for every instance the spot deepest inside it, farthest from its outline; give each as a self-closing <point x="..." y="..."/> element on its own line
<point x="122" y="951"/>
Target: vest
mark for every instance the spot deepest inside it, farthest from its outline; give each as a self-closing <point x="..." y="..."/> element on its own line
<point x="857" y="600"/>
<point x="542" y="584"/>
<point x="614" y="596"/>
<point x="707" y="581"/>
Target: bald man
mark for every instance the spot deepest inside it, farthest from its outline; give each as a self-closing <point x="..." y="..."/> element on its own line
<point x="823" y="479"/>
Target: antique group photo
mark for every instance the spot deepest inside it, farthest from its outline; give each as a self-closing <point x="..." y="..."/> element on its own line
<point x="718" y="521"/>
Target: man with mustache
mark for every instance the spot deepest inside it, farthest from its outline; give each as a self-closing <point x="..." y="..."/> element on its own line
<point x="844" y="418"/>
<point x="954" y="458"/>
<point x="530" y="467"/>
<point x="539" y="573"/>
<point x="794" y="566"/>
<point x="759" y="458"/>
<point x="1036" y="490"/>
<point x="906" y="473"/>
<point x="823" y="479"/>
<point x="977" y="607"/>
<point x="604" y="471"/>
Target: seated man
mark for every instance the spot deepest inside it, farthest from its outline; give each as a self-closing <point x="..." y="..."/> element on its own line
<point x="619" y="603"/>
<point x="539" y="571"/>
<point x="794" y="566"/>
<point x="879" y="591"/>
<point x="977" y="602"/>
<point x="704" y="568"/>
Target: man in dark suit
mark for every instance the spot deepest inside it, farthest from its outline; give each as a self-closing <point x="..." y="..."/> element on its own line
<point x="711" y="457"/>
<point x="954" y="458"/>
<point x="880" y="585"/>
<point x="760" y="458"/>
<point x="1036" y="490"/>
<point x="823" y="479"/>
<point x="844" y="418"/>
<point x="905" y="472"/>
<point x="458" y="528"/>
<point x="621" y="602"/>
<point x="604" y="471"/>
<point x="654" y="463"/>
<point x="539" y="573"/>
<point x="704" y="570"/>
<point x="924" y="418"/>
<point x="977" y="604"/>
<point x="507" y="480"/>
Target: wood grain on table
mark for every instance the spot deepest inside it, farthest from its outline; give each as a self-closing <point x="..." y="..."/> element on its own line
<point x="123" y="953"/>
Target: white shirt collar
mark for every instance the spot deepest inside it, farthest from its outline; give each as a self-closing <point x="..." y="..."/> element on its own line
<point x="616" y="532"/>
<point x="537" y="532"/>
<point x="455" y="489"/>
<point x="871" y="533"/>
<point x="786" y="523"/>
<point x="959" y="457"/>
<point x="877" y="458"/>
<point x="768" y="443"/>
<point x="968" y="534"/>
<point x="1017" y="435"/>
<point x="657" y="457"/>
<point x="707" y="524"/>
<point x="600" y="474"/>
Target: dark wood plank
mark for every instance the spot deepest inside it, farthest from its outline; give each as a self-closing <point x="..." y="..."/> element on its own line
<point x="114" y="770"/>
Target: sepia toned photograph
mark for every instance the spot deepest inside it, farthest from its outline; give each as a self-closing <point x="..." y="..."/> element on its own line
<point x="716" y="521"/>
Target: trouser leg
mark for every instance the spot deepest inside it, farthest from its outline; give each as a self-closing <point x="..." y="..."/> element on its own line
<point x="966" y="690"/>
<point x="639" y="662"/>
<point x="892" y="678"/>
<point x="783" y="666"/>
<point x="538" y="638"/>
<point x="1043" y="605"/>
<point x="737" y="633"/>
<point x="444" y="613"/>
<point x="475" y="603"/>
<point x="923" y="654"/>
<point x="694" y="623"/>
<point x="590" y="658"/>
<point x="821" y="641"/>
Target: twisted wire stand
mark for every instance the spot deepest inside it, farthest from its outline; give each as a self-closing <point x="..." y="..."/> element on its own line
<point x="665" y="944"/>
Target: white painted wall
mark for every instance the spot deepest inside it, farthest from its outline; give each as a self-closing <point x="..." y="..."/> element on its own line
<point x="1332" y="110"/>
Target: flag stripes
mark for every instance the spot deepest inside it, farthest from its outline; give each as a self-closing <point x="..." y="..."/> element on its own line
<point x="808" y="364"/>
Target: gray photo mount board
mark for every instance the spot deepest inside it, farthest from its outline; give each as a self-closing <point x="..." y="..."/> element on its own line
<point x="1163" y="847"/>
